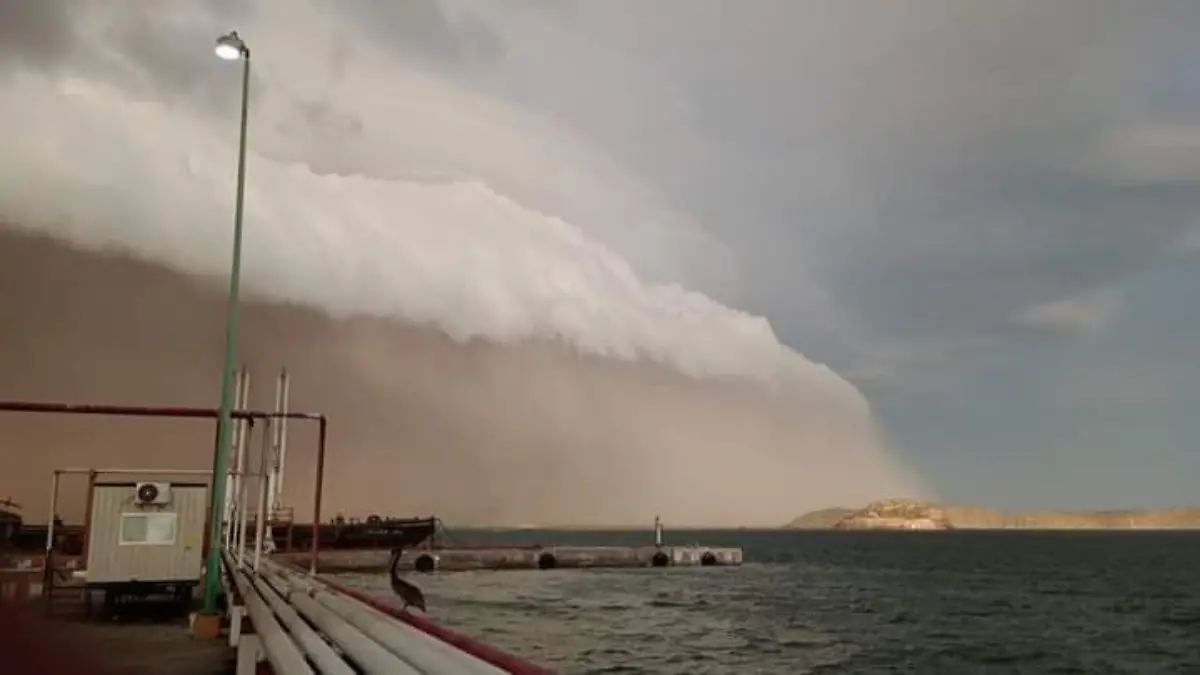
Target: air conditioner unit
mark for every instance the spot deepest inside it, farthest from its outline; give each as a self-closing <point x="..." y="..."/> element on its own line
<point x="146" y="494"/>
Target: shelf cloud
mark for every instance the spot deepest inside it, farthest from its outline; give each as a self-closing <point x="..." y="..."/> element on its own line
<point x="410" y="253"/>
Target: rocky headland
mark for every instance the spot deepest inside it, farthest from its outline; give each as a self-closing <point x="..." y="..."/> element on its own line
<point x="913" y="514"/>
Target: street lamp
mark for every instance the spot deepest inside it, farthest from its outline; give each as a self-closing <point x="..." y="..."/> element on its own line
<point x="229" y="47"/>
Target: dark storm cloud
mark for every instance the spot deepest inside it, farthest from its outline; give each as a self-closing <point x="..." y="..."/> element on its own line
<point x="158" y="56"/>
<point x="993" y="247"/>
<point x="934" y="168"/>
<point x="35" y="32"/>
<point x="161" y="57"/>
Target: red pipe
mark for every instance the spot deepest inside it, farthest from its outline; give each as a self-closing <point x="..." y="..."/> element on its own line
<point x="480" y="650"/>
<point x="318" y="488"/>
<point x="143" y="411"/>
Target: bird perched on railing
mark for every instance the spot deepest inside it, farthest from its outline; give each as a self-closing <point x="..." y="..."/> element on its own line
<point x="409" y="592"/>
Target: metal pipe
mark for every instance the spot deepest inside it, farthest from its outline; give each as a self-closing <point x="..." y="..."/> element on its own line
<point x="369" y="655"/>
<point x="285" y="407"/>
<point x="318" y="489"/>
<point x="263" y="484"/>
<point x="274" y="474"/>
<point x="283" y="654"/>
<point x="182" y="412"/>
<point x="48" y="561"/>
<point x="483" y="651"/>
<point x="233" y="485"/>
<point x="243" y="517"/>
<point x="147" y="472"/>
<point x="425" y="652"/>
<point x="90" y="496"/>
<point x="239" y="438"/>
<point x="322" y="655"/>
<point x="229" y="504"/>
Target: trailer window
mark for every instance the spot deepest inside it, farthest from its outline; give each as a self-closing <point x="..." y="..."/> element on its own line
<point x="147" y="529"/>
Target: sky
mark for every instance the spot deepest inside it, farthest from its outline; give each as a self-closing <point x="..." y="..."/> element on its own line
<point x="799" y="253"/>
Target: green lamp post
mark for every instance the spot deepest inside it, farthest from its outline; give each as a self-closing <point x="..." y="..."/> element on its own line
<point x="229" y="47"/>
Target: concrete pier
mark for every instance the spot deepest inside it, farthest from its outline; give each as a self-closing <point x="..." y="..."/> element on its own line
<point x="524" y="558"/>
<point x="48" y="635"/>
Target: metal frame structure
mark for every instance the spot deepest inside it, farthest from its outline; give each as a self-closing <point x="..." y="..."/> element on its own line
<point x="272" y="465"/>
<point x="182" y="412"/>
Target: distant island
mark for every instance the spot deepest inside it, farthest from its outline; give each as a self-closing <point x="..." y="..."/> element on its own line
<point x="913" y="514"/>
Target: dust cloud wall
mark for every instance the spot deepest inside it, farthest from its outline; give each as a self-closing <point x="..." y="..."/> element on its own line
<point x="475" y="432"/>
<point x="503" y="323"/>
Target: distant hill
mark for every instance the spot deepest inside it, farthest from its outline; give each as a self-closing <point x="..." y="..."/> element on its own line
<point x="912" y="514"/>
<point x="820" y="520"/>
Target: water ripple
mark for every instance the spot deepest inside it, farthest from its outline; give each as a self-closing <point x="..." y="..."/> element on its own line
<point x="830" y="603"/>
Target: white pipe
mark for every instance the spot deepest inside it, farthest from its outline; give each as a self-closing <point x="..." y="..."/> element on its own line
<point x="240" y="427"/>
<point x="372" y="658"/>
<point x="239" y="402"/>
<point x="50" y="519"/>
<point x="285" y="386"/>
<point x="260" y="515"/>
<point x="273" y="475"/>
<point x="425" y="652"/>
<point x="326" y="660"/>
<point x="243" y="512"/>
<point x="231" y="479"/>
<point x="281" y="652"/>
<point x="243" y="517"/>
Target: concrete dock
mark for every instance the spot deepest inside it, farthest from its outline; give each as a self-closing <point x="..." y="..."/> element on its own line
<point x="279" y="620"/>
<point x="524" y="558"/>
<point x="56" y="635"/>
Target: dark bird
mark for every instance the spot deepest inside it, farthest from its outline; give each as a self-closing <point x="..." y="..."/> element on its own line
<point x="409" y="592"/>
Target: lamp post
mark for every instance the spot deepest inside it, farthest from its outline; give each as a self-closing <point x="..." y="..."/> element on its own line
<point x="229" y="47"/>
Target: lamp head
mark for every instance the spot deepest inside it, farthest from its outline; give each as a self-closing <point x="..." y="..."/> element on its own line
<point x="230" y="47"/>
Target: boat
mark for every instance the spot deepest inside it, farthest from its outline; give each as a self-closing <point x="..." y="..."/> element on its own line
<point x="376" y="532"/>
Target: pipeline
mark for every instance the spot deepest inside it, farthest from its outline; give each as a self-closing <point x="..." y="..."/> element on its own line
<point x="283" y="654"/>
<point x="321" y="654"/>
<point x="423" y="651"/>
<point x="483" y="651"/>
<point x="369" y="655"/>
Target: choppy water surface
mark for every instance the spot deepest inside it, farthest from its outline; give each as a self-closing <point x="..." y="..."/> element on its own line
<point x="831" y="602"/>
